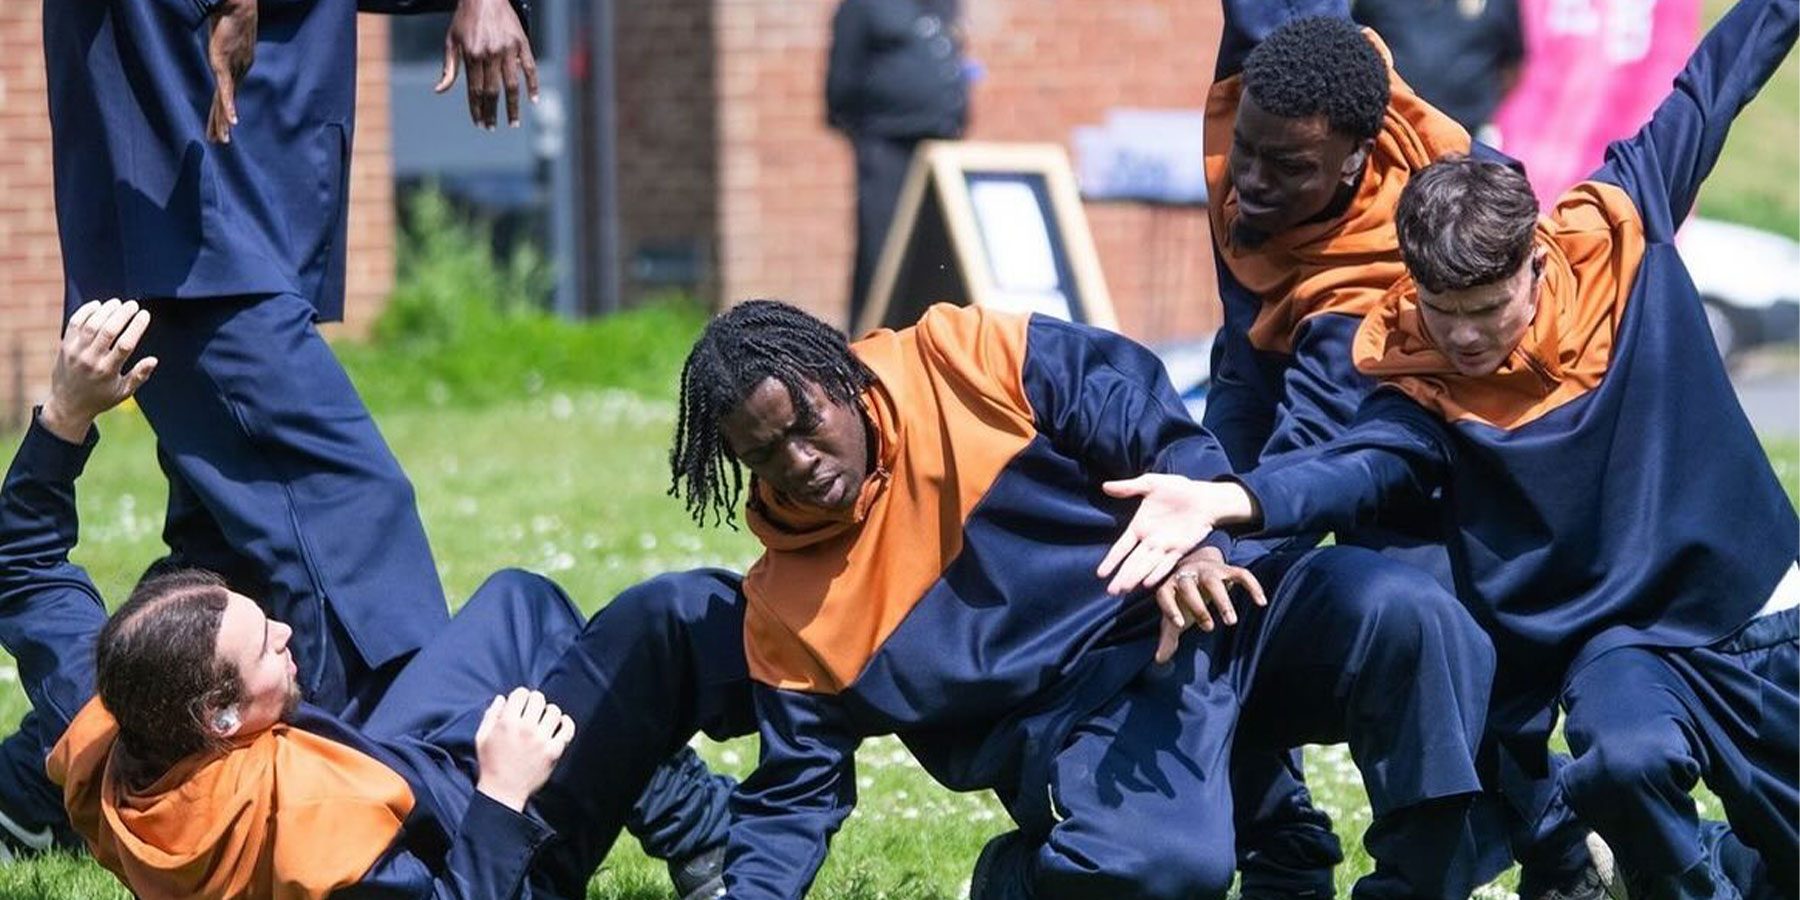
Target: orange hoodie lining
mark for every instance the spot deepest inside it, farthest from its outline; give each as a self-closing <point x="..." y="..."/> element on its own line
<point x="1343" y="266"/>
<point x="284" y="814"/>
<point x="1595" y="243"/>
<point x="949" y="413"/>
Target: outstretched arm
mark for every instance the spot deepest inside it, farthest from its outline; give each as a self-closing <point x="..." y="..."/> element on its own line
<point x="50" y="611"/>
<point x="1664" y="164"/>
<point x="1395" y="451"/>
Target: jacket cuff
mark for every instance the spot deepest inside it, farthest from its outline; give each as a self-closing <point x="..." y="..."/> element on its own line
<point x="498" y="846"/>
<point x="1278" y="504"/>
<point x="52" y="457"/>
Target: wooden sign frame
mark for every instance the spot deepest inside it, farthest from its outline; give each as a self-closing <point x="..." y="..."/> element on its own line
<point x="938" y="187"/>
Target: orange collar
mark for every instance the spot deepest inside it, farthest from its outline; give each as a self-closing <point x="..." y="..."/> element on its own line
<point x="1341" y="266"/>
<point x="283" y="814"/>
<point x="1594" y="242"/>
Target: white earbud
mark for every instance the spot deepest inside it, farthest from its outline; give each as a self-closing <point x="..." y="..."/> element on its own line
<point x="226" y="719"/>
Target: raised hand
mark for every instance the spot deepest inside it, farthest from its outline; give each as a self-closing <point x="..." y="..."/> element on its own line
<point x="521" y="737"/>
<point x="1175" y="514"/>
<point x="230" y="50"/>
<point x="487" y="37"/>
<point x="89" y="376"/>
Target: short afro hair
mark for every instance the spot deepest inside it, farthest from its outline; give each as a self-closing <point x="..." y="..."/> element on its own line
<point x="1320" y="66"/>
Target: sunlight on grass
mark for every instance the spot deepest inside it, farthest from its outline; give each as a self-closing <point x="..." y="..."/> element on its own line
<point x="572" y="484"/>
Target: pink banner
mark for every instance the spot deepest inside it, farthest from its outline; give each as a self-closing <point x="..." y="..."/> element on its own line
<point x="1594" y="71"/>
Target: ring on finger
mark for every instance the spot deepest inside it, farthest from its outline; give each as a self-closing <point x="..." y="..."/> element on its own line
<point x="1187" y="575"/>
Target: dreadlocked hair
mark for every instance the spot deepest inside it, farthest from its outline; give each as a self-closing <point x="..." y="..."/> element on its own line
<point x="739" y="350"/>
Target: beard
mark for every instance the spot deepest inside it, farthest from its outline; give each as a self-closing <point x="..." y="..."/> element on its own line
<point x="1247" y="236"/>
<point x="291" y="703"/>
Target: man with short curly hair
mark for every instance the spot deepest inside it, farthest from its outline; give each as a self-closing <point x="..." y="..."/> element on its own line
<point x="1310" y="139"/>
<point x="1611" y="514"/>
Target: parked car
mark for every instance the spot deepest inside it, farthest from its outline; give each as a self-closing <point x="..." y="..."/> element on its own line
<point x="1750" y="281"/>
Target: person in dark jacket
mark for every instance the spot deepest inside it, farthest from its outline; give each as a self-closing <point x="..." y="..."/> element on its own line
<point x="1551" y="375"/>
<point x="895" y="78"/>
<point x="1461" y="56"/>
<point x="201" y="151"/>
<point x="191" y="765"/>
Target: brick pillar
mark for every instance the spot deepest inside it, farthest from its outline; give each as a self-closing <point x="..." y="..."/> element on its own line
<point x="31" y="283"/>
<point x="370" y="268"/>
<point x="668" y="145"/>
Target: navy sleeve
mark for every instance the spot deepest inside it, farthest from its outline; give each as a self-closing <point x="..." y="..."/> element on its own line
<point x="1663" y="165"/>
<point x="784" y="814"/>
<point x="1240" y="412"/>
<point x="1321" y="389"/>
<point x="1248" y="22"/>
<point x="38" y="522"/>
<point x="50" y="612"/>
<point x="1395" y="453"/>
<point x="1106" y="400"/>
<point x="489" y="860"/>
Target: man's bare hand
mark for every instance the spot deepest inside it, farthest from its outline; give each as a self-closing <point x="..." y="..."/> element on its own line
<point x="517" y="745"/>
<point x="89" y="376"/>
<point x="1199" y="591"/>
<point x="488" y="39"/>
<point x="1174" y="514"/>
<point x="230" y="50"/>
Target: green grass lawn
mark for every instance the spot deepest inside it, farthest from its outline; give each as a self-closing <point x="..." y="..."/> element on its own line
<point x="571" y="483"/>
<point x="1757" y="181"/>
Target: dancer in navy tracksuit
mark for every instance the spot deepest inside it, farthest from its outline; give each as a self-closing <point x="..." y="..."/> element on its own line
<point x="1609" y="510"/>
<point x="1311" y="137"/>
<point x="931" y="518"/>
<point x="278" y="477"/>
<point x="377" y="801"/>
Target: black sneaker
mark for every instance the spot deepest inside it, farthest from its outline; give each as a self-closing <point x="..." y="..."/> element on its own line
<point x="701" y="876"/>
<point x="997" y="865"/>
<point x="1599" y="880"/>
<point x="18" y="842"/>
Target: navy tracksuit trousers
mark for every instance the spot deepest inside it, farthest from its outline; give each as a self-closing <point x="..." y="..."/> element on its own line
<point x="1647" y="724"/>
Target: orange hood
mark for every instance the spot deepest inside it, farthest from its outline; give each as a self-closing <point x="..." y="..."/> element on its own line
<point x="1594" y="241"/>
<point x="1341" y="266"/>
<point x="282" y="814"/>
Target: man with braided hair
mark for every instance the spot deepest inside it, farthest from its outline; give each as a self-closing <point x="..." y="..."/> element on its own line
<point x="928" y="500"/>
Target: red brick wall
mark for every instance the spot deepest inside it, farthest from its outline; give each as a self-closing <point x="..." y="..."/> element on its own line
<point x="668" y="152"/>
<point x="787" y="198"/>
<point x="370" y="271"/>
<point x="31" y="285"/>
